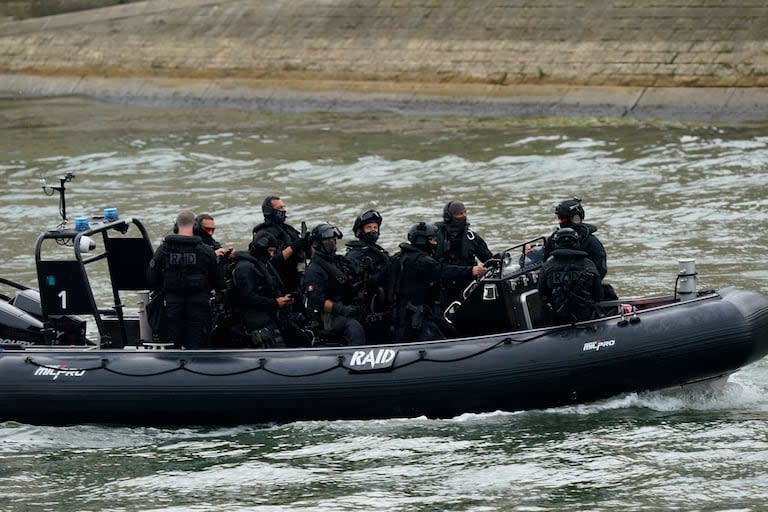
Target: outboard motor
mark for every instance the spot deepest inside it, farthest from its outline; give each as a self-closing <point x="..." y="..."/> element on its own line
<point x="18" y="327"/>
<point x="29" y="301"/>
<point x="21" y="322"/>
<point x="685" y="285"/>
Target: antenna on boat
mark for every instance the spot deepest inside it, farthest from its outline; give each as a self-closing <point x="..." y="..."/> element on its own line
<point x="62" y="194"/>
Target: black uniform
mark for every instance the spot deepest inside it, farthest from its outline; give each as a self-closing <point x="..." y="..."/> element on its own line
<point x="225" y="263"/>
<point x="186" y="271"/>
<point x="208" y="240"/>
<point x="417" y="291"/>
<point x="588" y="243"/>
<point x="569" y="286"/>
<point x="458" y="245"/>
<point x="332" y="278"/>
<point x="286" y="235"/>
<point x="373" y="268"/>
<point x="256" y="287"/>
<point x="370" y="258"/>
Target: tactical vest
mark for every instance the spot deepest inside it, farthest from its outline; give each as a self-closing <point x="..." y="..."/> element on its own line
<point x="340" y="277"/>
<point x="413" y="285"/>
<point x="284" y="233"/>
<point x="570" y="282"/>
<point x="268" y="283"/>
<point x="184" y="269"/>
<point x="458" y="250"/>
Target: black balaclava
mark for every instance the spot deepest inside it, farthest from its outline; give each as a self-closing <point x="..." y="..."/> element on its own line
<point x="279" y="216"/>
<point x="427" y="248"/>
<point x="370" y="237"/>
<point x="327" y="246"/>
<point x="452" y="224"/>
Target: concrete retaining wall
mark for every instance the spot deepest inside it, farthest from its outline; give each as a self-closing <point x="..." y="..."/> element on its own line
<point x="630" y="43"/>
<point x="599" y="42"/>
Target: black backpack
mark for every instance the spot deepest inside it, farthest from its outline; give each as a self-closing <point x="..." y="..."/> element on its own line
<point x="572" y="301"/>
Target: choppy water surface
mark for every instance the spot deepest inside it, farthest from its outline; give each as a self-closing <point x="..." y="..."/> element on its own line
<point x="656" y="192"/>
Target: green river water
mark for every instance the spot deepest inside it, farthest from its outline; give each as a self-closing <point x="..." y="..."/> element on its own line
<point x="657" y="192"/>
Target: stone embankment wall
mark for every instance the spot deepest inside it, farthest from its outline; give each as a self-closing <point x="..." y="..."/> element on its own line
<point x="649" y="43"/>
<point x="680" y="59"/>
<point x="20" y="9"/>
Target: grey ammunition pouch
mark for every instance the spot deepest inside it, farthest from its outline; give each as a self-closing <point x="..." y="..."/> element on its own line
<point x="327" y="319"/>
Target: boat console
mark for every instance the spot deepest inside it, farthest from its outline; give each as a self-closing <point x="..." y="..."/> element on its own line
<point x="506" y="298"/>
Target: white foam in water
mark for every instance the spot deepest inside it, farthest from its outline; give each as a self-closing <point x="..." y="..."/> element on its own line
<point x="530" y="140"/>
<point x="656" y="194"/>
<point x="732" y="395"/>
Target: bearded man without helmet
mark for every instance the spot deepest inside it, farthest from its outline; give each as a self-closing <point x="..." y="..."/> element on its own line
<point x="206" y="227"/>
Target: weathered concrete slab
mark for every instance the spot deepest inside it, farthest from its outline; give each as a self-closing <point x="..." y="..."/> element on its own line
<point x="529" y="57"/>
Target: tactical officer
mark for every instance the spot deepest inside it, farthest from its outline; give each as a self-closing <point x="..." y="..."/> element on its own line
<point x="372" y="267"/>
<point x="205" y="228"/>
<point x="569" y="283"/>
<point x="570" y="214"/>
<point x="259" y="297"/>
<point x="417" y="284"/>
<point x="364" y="252"/>
<point x="290" y="258"/>
<point x="185" y="269"/>
<point x="458" y="245"/>
<point x="329" y="284"/>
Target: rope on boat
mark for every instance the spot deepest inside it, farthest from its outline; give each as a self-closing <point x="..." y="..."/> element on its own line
<point x="182" y="365"/>
<point x="423" y="355"/>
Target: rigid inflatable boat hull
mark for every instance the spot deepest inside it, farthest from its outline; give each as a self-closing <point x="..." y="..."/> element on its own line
<point x="663" y="347"/>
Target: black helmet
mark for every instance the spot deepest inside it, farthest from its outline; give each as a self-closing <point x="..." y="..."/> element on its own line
<point x="420" y="233"/>
<point x="366" y="218"/>
<point x="266" y="206"/>
<point x="566" y="238"/>
<point x="570" y="208"/>
<point x="262" y="241"/>
<point x="322" y="231"/>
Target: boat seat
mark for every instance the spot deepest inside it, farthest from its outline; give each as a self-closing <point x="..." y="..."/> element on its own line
<point x="532" y="309"/>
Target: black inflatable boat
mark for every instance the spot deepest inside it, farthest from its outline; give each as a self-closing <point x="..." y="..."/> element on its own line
<point x="51" y="373"/>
